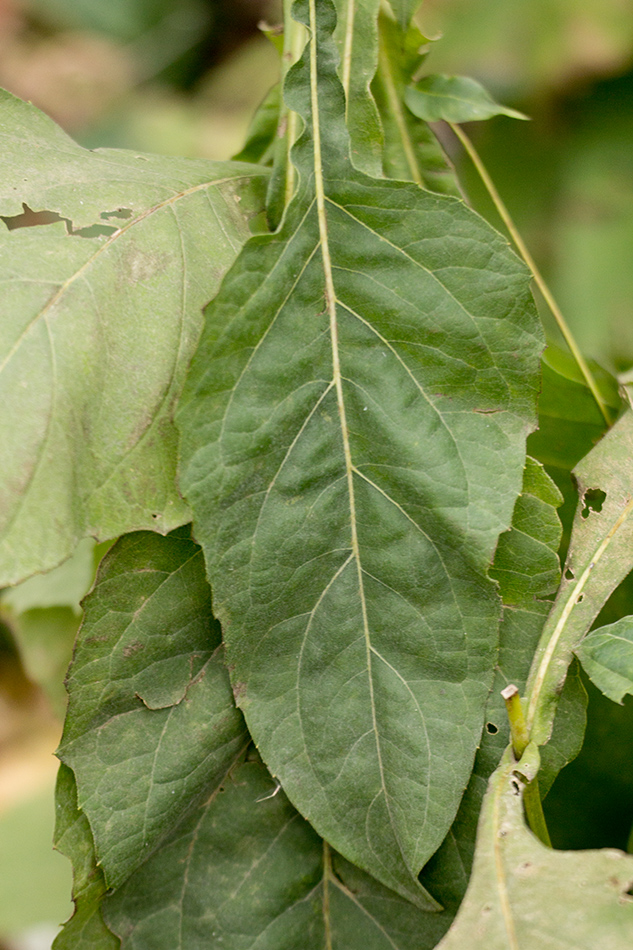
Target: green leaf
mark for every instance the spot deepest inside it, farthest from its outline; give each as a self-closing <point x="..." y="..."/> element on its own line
<point x="523" y="894"/>
<point x="607" y="657"/>
<point x="86" y="929"/>
<point x="454" y="99"/>
<point x="411" y="151"/>
<point x="98" y="331"/>
<point x="365" y="377"/>
<point x="280" y="888"/>
<point x="356" y="35"/>
<point x="570" y="422"/>
<point x="260" y="138"/>
<point x="404" y="10"/>
<point x="527" y="569"/>
<point x="151" y="722"/>
<point x="600" y="556"/>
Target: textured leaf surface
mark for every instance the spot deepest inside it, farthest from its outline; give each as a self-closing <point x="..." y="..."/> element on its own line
<point x="600" y="556"/>
<point x="523" y="895"/>
<point x="86" y="929"/>
<point x="151" y="722"/>
<point x="527" y="570"/>
<point x="365" y="377"/>
<point x="98" y="331"/>
<point x="411" y="150"/>
<point x="280" y="888"/>
<point x="607" y="657"/>
<point x="454" y="99"/>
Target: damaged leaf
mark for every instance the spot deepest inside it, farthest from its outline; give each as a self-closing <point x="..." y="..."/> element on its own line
<point x="151" y="722"/>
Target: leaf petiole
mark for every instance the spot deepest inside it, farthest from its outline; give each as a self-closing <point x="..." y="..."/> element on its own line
<point x="520" y="740"/>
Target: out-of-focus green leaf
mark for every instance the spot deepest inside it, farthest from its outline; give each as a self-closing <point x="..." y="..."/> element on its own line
<point x="35" y="884"/>
<point x="353" y="444"/>
<point x="523" y="894"/>
<point x="454" y="99"/>
<point x="86" y="929"/>
<point x="600" y="556"/>
<point x="246" y="870"/>
<point x="151" y="721"/>
<point x="410" y="150"/>
<point x="98" y="331"/>
<point x="607" y="657"/>
<point x="64" y="586"/>
<point x="260" y="138"/>
<point x="570" y="422"/>
<point x="404" y="10"/>
<point x="123" y="19"/>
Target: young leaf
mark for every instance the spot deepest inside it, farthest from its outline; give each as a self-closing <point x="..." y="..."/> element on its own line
<point x="366" y="377"/>
<point x="86" y="929"/>
<point x="600" y="556"/>
<point x="151" y="722"/>
<point x="245" y="870"/>
<point x="454" y="99"/>
<point x="357" y="37"/>
<point x="523" y="894"/>
<point x="411" y="151"/>
<point x="98" y="331"/>
<point x="607" y="657"/>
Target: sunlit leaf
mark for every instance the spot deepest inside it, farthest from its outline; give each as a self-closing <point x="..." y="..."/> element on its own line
<point x="366" y="377"/>
<point x="98" y="331"/>
<point x="151" y="723"/>
<point x="454" y="99"/>
<point x="523" y="894"/>
<point x="607" y="657"/>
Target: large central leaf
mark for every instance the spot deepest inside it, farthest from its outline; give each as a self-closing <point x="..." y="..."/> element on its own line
<point x="353" y="444"/>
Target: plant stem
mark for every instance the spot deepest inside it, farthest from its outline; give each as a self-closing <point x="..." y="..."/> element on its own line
<point x="520" y="739"/>
<point x="529" y="260"/>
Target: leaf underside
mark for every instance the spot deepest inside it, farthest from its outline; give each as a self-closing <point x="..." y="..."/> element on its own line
<point x="353" y="443"/>
<point x="98" y="330"/>
<point x="523" y="894"/>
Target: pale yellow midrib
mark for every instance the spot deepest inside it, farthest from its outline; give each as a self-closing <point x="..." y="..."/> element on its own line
<point x="330" y="298"/>
<point x="572" y="599"/>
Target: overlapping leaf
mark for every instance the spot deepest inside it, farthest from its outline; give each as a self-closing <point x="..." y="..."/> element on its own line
<point x="607" y="657"/>
<point x="151" y="721"/>
<point x="353" y="444"/>
<point x="600" y="556"/>
<point x="246" y="871"/>
<point x="86" y="929"/>
<point x="411" y="150"/>
<point x="98" y="331"/>
<point x="357" y="39"/>
<point x="523" y="895"/>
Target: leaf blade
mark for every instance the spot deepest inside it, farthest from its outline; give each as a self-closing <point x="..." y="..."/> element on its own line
<point x="291" y="418"/>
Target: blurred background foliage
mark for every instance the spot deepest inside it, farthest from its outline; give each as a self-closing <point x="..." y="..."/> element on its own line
<point x="184" y="77"/>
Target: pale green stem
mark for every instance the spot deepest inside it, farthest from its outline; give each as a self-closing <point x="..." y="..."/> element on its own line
<point x="520" y="739"/>
<point x="529" y="260"/>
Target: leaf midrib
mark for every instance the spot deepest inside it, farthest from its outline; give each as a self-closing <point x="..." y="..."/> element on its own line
<point x="330" y="297"/>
